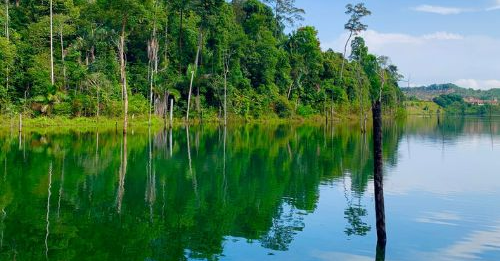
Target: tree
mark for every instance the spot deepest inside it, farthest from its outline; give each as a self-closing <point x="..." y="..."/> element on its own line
<point x="358" y="51"/>
<point x="51" y="45"/>
<point x="286" y="13"/>
<point x="354" y="25"/>
<point x="124" y="14"/>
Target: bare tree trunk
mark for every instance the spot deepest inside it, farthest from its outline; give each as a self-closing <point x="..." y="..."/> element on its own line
<point x="378" y="172"/>
<point x="343" y="59"/>
<point x="362" y="121"/>
<point x="225" y="99"/>
<point x="342" y="68"/>
<point x="51" y="46"/>
<point x="226" y="71"/>
<point x="192" y="76"/>
<point x="123" y="75"/>
<point x="153" y="57"/>
<point x="171" y="112"/>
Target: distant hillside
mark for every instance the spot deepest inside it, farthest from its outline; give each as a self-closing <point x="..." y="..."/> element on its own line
<point x="427" y="93"/>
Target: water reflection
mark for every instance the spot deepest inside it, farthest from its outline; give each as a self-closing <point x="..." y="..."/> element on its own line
<point x="237" y="192"/>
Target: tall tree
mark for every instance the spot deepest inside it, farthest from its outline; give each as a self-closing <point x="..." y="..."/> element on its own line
<point x="51" y="44"/>
<point x="125" y="15"/>
<point x="358" y="51"/>
<point x="286" y="13"/>
<point x="354" y="26"/>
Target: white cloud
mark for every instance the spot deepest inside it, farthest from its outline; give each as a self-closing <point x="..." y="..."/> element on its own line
<point x="440" y="57"/>
<point x="478" y="84"/>
<point x="443" y="36"/>
<point x="496" y="6"/>
<point x="442" y="10"/>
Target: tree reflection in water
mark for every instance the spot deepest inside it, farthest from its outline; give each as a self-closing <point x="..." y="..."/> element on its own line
<point x="185" y="192"/>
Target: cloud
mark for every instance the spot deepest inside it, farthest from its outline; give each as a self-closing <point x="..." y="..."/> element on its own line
<point x="496" y="6"/>
<point x="439" y="57"/>
<point x="442" y="10"/>
<point x="478" y="84"/>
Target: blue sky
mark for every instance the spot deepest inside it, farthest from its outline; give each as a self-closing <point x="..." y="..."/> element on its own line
<point x="442" y="41"/>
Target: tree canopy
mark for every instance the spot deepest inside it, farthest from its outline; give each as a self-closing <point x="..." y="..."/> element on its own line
<point x="269" y="72"/>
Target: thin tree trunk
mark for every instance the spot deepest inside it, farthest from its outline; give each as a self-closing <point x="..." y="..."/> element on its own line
<point x="165" y="109"/>
<point x="343" y="59"/>
<point x="226" y="71"/>
<point x="171" y="112"/>
<point x="51" y="46"/>
<point x="378" y="172"/>
<point x="123" y="75"/>
<point x="225" y="99"/>
<point x="153" y="56"/>
<point x="192" y="76"/>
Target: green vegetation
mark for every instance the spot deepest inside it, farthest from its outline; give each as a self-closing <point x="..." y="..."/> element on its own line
<point x="416" y="107"/>
<point x="434" y="90"/>
<point x="455" y="104"/>
<point x="116" y="57"/>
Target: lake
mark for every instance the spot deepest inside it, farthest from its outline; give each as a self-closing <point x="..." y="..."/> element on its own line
<point x="255" y="192"/>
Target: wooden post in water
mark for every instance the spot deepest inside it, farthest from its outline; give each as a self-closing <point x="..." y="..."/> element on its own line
<point x="380" y="253"/>
<point x="378" y="175"/>
<point x="171" y="112"/>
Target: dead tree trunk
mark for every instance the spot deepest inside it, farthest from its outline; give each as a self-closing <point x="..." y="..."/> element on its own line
<point x="123" y="75"/>
<point x="51" y="46"/>
<point x="193" y="71"/>
<point x="153" y="58"/>
<point x="171" y="112"/>
<point x="378" y="172"/>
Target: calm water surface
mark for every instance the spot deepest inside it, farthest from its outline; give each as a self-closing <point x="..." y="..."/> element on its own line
<point x="251" y="193"/>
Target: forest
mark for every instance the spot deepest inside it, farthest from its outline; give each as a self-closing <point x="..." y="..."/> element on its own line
<point x="208" y="58"/>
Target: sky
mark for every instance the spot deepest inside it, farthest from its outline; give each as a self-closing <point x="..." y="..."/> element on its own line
<point x="431" y="41"/>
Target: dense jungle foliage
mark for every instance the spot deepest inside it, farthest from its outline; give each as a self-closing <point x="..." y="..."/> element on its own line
<point x="169" y="46"/>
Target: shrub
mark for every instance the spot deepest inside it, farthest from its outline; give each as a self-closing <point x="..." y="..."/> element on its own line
<point x="305" y="110"/>
<point x="282" y="107"/>
<point x="137" y="104"/>
<point x="63" y="109"/>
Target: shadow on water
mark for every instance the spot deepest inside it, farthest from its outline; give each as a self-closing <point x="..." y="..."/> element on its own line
<point x="180" y="194"/>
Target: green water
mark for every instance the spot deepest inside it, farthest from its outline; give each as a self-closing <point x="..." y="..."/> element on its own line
<point x="280" y="192"/>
